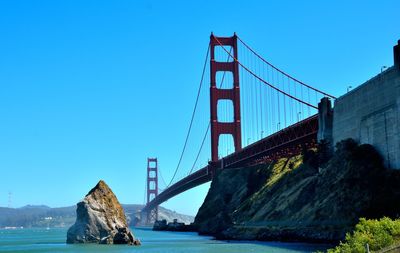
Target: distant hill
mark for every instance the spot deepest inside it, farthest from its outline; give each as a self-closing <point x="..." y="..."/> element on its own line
<point x="44" y="216"/>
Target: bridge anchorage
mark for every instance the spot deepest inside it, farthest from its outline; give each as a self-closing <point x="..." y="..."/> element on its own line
<point x="276" y="111"/>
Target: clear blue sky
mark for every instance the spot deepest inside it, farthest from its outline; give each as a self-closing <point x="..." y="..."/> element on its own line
<point x="90" y="89"/>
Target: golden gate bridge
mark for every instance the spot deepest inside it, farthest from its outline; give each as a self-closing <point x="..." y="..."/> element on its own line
<point x="251" y="101"/>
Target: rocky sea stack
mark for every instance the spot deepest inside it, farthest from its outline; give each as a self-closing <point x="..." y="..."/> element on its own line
<point x="100" y="219"/>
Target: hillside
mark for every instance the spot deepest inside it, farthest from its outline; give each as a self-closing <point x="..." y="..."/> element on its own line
<point x="44" y="216"/>
<point x="301" y="198"/>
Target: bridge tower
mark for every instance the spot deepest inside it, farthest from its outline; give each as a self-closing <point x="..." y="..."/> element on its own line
<point x="233" y="94"/>
<point x="152" y="188"/>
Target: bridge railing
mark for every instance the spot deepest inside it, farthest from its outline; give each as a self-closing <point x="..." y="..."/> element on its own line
<point x="287" y="141"/>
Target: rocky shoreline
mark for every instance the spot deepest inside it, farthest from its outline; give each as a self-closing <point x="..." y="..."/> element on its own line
<point x="308" y="198"/>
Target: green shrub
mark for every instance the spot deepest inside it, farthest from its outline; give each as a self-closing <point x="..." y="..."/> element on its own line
<point x="377" y="233"/>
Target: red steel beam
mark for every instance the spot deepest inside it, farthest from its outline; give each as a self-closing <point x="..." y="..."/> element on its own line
<point x="233" y="94"/>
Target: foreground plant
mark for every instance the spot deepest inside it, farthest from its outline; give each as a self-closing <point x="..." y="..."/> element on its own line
<point x="378" y="234"/>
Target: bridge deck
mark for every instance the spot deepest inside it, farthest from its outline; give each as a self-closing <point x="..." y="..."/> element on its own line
<point x="286" y="142"/>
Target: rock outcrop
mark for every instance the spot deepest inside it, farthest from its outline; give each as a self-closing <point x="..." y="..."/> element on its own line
<point x="300" y="199"/>
<point x="100" y="219"/>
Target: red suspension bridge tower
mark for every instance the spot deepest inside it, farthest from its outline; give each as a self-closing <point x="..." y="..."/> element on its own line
<point x="152" y="188"/>
<point x="272" y="97"/>
<point x="218" y="128"/>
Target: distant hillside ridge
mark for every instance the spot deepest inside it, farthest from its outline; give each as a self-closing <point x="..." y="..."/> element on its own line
<point x="40" y="216"/>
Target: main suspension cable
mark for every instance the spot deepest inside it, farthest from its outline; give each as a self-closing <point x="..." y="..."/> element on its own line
<point x="162" y="178"/>
<point x="192" y="119"/>
<point x="282" y="72"/>
<point x="209" y="123"/>
<point x="201" y="147"/>
<point x="262" y="80"/>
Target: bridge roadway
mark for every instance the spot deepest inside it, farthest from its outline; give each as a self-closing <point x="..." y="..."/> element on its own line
<point x="286" y="142"/>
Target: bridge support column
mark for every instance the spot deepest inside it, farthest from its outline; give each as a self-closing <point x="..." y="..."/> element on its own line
<point x="152" y="189"/>
<point x="325" y="121"/>
<point x="216" y="94"/>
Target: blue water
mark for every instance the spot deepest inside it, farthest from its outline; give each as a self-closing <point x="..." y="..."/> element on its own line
<point x="53" y="240"/>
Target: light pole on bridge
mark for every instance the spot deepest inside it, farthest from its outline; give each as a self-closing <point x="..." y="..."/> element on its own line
<point x="349" y="88"/>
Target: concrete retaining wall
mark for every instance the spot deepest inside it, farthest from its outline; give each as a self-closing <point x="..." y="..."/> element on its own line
<point x="371" y="114"/>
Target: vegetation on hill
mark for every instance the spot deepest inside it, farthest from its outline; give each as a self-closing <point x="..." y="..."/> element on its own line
<point x="378" y="234"/>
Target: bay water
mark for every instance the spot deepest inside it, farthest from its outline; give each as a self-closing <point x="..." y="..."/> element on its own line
<point x="53" y="240"/>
